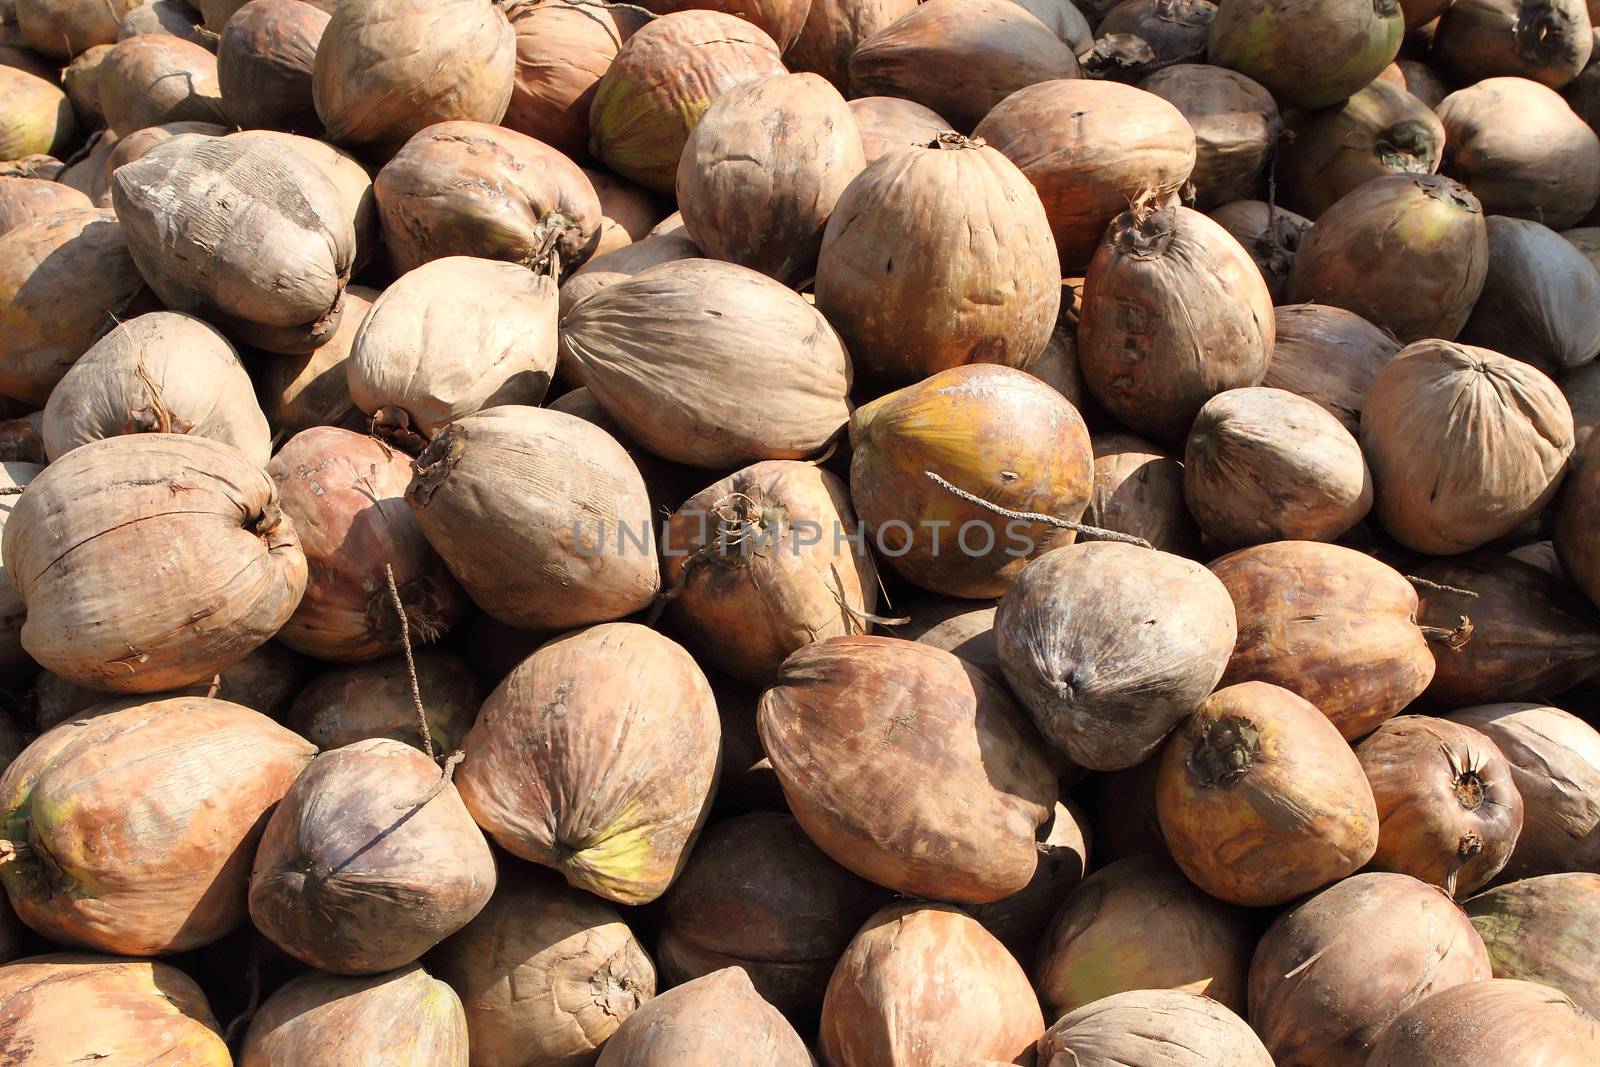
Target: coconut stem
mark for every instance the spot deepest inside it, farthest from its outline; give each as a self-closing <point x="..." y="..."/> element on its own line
<point x="1437" y="587"/>
<point x="1032" y="516"/>
<point x="1452" y="639"/>
<point x="12" y="490"/>
<point x="411" y="662"/>
<point x="216" y="686"/>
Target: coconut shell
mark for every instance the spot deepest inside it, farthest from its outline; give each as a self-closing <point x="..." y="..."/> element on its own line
<point x="758" y="895"/>
<point x="132" y="869"/>
<point x="562" y="52"/>
<point x="761" y="172"/>
<point x="61" y="29"/>
<point x="1406" y="252"/>
<point x="832" y="31"/>
<point x="1332" y="972"/>
<point x="1548" y="41"/>
<point x="347" y="704"/>
<point x="620" y="264"/>
<point x="1501" y="1021"/>
<point x="24" y="199"/>
<point x="957" y="626"/>
<point x="1152" y="1028"/>
<point x="1380" y="130"/>
<point x="921" y="977"/>
<point x="64" y="280"/>
<point x="1541" y="300"/>
<point x="888" y="122"/>
<point x="1261" y="800"/>
<point x="615" y="817"/>
<point x="1521" y="150"/>
<point x="992" y="431"/>
<point x="716" y="1019"/>
<point x="348" y="176"/>
<point x="405" y="1018"/>
<point x="65" y="1007"/>
<point x="154" y="80"/>
<point x="1138" y="490"/>
<point x="1544" y="930"/>
<point x="264" y="64"/>
<point x="299" y="392"/>
<point x="710" y="364"/>
<point x="1020" y="920"/>
<point x="1236" y="123"/>
<point x="81" y="81"/>
<point x="1269" y="235"/>
<point x="663" y="78"/>
<point x="1328" y="355"/>
<point x="1307" y="57"/>
<point x="909" y="767"/>
<point x="1464" y="444"/>
<point x="522" y="504"/>
<point x="170" y="17"/>
<point x="1139" y="924"/>
<point x="13" y="660"/>
<point x="1153" y="369"/>
<point x="388" y="69"/>
<point x="158" y="373"/>
<point x="198" y="588"/>
<point x="1091" y="147"/>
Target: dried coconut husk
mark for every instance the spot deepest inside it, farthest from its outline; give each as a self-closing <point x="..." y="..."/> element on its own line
<point x="98" y="858"/>
<point x="912" y="298"/>
<point x="1576" y="541"/>
<point x="1138" y="490"/>
<point x="38" y="116"/>
<point x="214" y="579"/>
<point x="81" y="81"/>
<point x="60" y="29"/>
<point x="1176" y="30"/>
<point x="761" y="172"/>
<point x="1065" y="20"/>
<point x="154" y="80"/>
<point x="668" y="484"/>
<point x="349" y="176"/>
<point x="960" y="57"/>
<point x="623" y="263"/>
<point x="1548" y="41"/>
<point x="1334" y="626"/>
<point x="1581" y="387"/>
<point x="158" y="373"/>
<point x="1541" y="300"/>
<point x="1169" y="1027"/>
<point x="1424" y="82"/>
<point x="546" y="973"/>
<point x="22" y="439"/>
<point x="1089" y="148"/>
<point x="1406" y="252"/>
<point x="170" y="17"/>
<point x="37" y="165"/>
<point x="14" y="662"/>
<point x="92" y="174"/>
<point x="1464" y="445"/>
<point x="1151" y="369"/>
<point x="716" y="1019"/>
<point x="1236" y="124"/>
<point x="405" y="1018"/>
<point x="710" y="364"/>
<point x="1270" y="236"/>
<point x="389" y="69"/>
<point x="1125" y="819"/>
<point x="1120" y="57"/>
<point x="1500" y="1021"/>
<point x="832" y="31"/>
<point x="779" y="19"/>
<point x="24" y="199"/>
<point x="1332" y="972"/>
<point x="909" y="767"/>
<point x="1328" y="355"/>
<point x="1103" y="691"/>
<point x="747" y="782"/>
<point x="264" y="63"/>
<point x="888" y="122"/>
<point x="360" y="701"/>
<point x="562" y="51"/>
<point x="256" y="239"/>
<point x="611" y="791"/>
<point x="1020" y="920"/>
<point x="957" y="626"/>
<point x="299" y="392"/>
<point x="628" y="212"/>
<point x="1307" y="56"/>
<point x="541" y="517"/>
<point x="64" y="280"/>
<point x="1380" y="130"/>
<point x="1544" y="930"/>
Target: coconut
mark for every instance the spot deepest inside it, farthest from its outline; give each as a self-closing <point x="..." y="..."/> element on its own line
<point x="64" y="279"/>
<point x="1090" y="148"/>
<point x="1235" y="122"/>
<point x="1548" y="41"/>
<point x="710" y="363"/>
<point x="1501" y="1021"/>
<point x="299" y="392"/>
<point x="1020" y="920"/>
<point x="960" y="57"/>
<point x="912" y="299"/>
<point x="65" y="1007"/>
<point x="1407" y="252"/>
<point x="1175" y="30"/>
<point x="92" y="174"/>
<point x="1308" y="57"/>
<point x="927" y="976"/>
<point x="346" y="704"/>
<point x="612" y="790"/>
<point x="1261" y="800"/>
<point x="1328" y="355"/>
<point x="747" y="782"/>
<point x="623" y="263"/>
<point x="1576" y="542"/>
<point x="264" y="64"/>
<point x="1330" y="624"/>
<point x="240" y="232"/>
<point x="1465" y="444"/>
<point x="668" y="484"/>
<point x="14" y="661"/>
<point x="1151" y="1027"/>
<point x="170" y="17"/>
<point x="405" y="1018"/>
<point x="1332" y="972"/>
<point x="1380" y="130"/>
<point x="388" y="69"/>
<point x="762" y="563"/>
<point x="715" y="1019"/>
<point x="1269" y="235"/>
<point x="991" y="431"/>
<point x="158" y="373"/>
<point x="936" y="791"/>
<point x="81" y="81"/>
<point x="154" y="80"/>
<point x="546" y="973"/>
<point x="757" y="894"/>
<point x="627" y="212"/>
<point x="1125" y="819"/>
<point x="1065" y="20"/>
<point x="1423" y="81"/>
<point x="1581" y="387"/>
<point x="887" y="122"/>
<point x="98" y="858"/>
<point x="1520" y="149"/>
<point x="541" y="517"/>
<point x="833" y="29"/>
<point x="1139" y="924"/>
<point x="779" y="19"/>
<point x="762" y="170"/>
<point x="61" y="29"/>
<point x="562" y="51"/>
<point x="24" y="199"/>
<point x="956" y="626"/>
<point x="1151" y="368"/>
<point x="348" y="176"/>
<point x="1544" y="930"/>
<point x="1057" y="365"/>
<point x="214" y="579"/>
<point x="22" y="440"/>
<point x="1541" y="300"/>
<point x="661" y="82"/>
<point x="1267" y="465"/>
<point x="1138" y="490"/>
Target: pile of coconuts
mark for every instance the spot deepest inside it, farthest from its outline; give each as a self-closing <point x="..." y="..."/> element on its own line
<point x="799" y="533"/>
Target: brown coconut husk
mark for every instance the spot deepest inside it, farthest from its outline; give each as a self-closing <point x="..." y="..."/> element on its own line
<point x="61" y="29"/>
<point x="154" y="80"/>
<point x="1138" y="490"/>
<point x="887" y="122"/>
<point x="1545" y="930"/>
<point x="1541" y="300"/>
<point x="1547" y="41"/>
<point x="832" y="31"/>
<point x="322" y="1020"/>
<point x="1328" y="355"/>
<point x="563" y="50"/>
<point x="1235" y="122"/>
<point x="299" y="392"/>
<point x="24" y="199"/>
<point x="1182" y="1029"/>
<point x="264" y="64"/>
<point x="1314" y="59"/>
<point x="357" y="702"/>
<point x="1501" y="1019"/>
<point x="715" y="1019"/>
<point x="348" y="176"/>
<point x="1269" y="234"/>
<point x="81" y="81"/>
